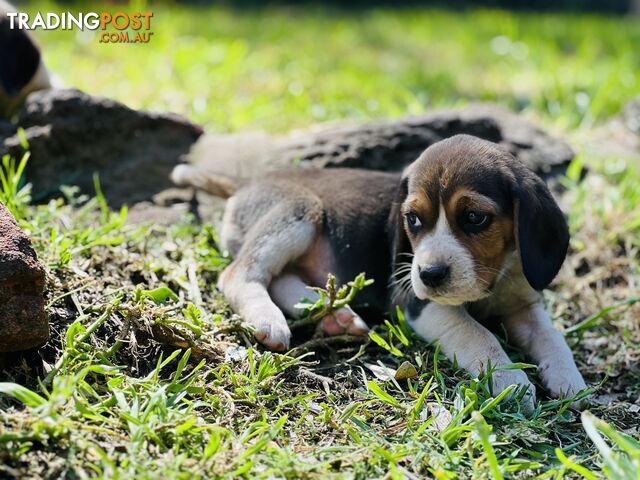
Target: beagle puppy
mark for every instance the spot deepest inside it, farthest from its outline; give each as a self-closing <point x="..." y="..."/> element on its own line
<point x="21" y="68"/>
<point x="465" y="234"/>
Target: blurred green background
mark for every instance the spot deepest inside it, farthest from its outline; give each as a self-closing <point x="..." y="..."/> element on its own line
<point x="282" y="67"/>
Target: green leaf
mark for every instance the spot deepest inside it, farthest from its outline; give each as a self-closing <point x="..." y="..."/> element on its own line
<point x="621" y="465"/>
<point x="492" y="403"/>
<point x="382" y="395"/>
<point x="586" y="473"/>
<point x="160" y="295"/>
<point x="384" y="344"/>
<point x="574" y="170"/>
<point x="484" y="432"/>
<point x="22" y="394"/>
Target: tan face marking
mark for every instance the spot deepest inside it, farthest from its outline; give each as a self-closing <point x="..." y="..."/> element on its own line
<point x="423" y="207"/>
<point x="488" y="247"/>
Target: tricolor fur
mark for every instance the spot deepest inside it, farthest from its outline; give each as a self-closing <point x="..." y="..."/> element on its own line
<point x="465" y="234"/>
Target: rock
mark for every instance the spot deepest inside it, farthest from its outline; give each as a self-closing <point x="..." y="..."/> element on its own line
<point x="388" y="145"/>
<point x="23" y="322"/>
<point x="72" y="135"/>
<point x="394" y="144"/>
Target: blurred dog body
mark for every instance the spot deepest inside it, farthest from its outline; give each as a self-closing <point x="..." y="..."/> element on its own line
<point x="22" y="70"/>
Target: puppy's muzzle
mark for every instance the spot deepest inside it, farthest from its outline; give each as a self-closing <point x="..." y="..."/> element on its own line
<point x="435" y="275"/>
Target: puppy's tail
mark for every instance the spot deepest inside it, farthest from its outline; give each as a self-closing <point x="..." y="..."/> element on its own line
<point x="219" y="185"/>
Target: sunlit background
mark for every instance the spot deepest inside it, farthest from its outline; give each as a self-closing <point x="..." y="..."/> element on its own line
<point x="275" y="68"/>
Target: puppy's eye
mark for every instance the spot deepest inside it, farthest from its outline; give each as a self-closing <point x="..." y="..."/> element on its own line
<point x="474" y="221"/>
<point x="475" y="218"/>
<point x="413" y="222"/>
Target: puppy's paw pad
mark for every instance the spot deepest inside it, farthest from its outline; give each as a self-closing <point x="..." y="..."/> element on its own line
<point x="277" y="340"/>
<point x="272" y="331"/>
<point x="343" y="320"/>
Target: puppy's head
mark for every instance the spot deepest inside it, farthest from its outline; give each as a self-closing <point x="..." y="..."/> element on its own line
<point x="464" y="206"/>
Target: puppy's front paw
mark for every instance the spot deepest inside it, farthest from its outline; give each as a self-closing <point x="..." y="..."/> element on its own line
<point x="562" y="381"/>
<point x="501" y="379"/>
<point x="343" y="320"/>
<point x="271" y="328"/>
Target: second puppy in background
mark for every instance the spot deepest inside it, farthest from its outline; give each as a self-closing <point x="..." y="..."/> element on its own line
<point x="22" y="70"/>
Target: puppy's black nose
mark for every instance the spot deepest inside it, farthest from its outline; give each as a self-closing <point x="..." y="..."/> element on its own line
<point x="434" y="275"/>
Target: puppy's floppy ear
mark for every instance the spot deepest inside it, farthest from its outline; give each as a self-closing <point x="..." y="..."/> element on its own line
<point x="19" y="58"/>
<point x="541" y="233"/>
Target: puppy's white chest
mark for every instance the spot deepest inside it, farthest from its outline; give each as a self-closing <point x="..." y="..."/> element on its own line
<point x="511" y="293"/>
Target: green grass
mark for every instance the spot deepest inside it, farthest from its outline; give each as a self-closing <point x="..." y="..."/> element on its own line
<point x="150" y="375"/>
<point x="118" y="399"/>
<point x="290" y="67"/>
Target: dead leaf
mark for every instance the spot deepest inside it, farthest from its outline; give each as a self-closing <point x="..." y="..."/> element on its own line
<point x="442" y="416"/>
<point x="406" y="371"/>
<point x="383" y="372"/>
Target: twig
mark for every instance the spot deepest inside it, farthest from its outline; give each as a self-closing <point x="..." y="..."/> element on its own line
<point x="328" y="341"/>
<point x="331" y="299"/>
<point x="303" y="372"/>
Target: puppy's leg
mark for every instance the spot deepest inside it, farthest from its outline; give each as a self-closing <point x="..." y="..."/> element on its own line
<point x="532" y="331"/>
<point x="288" y="289"/>
<point x="285" y="233"/>
<point x="473" y="346"/>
